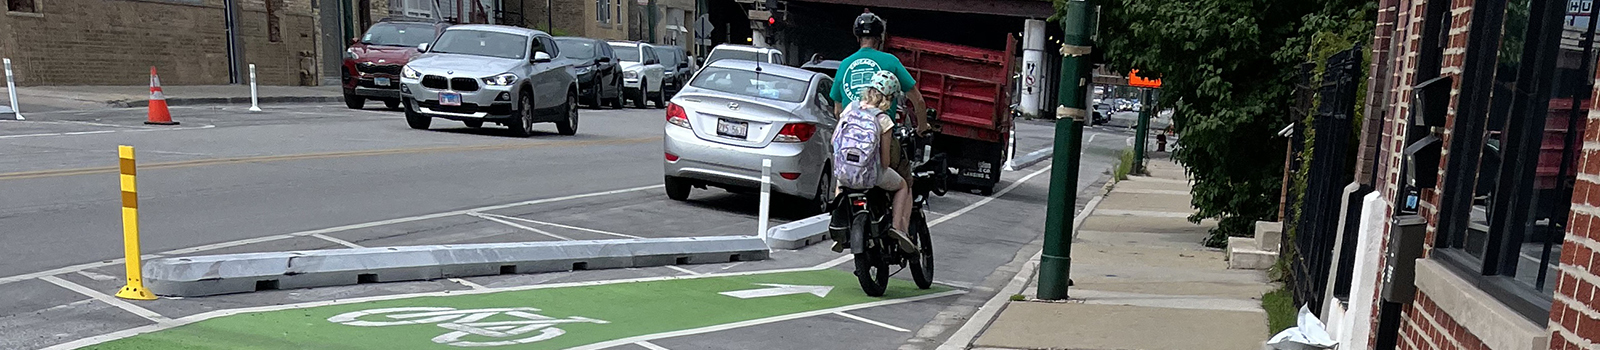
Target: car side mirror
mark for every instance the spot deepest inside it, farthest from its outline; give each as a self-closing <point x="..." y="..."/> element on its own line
<point x="602" y="60"/>
<point x="652" y="62"/>
<point x="541" y="57"/>
<point x="423" y="47"/>
<point x="683" y="64"/>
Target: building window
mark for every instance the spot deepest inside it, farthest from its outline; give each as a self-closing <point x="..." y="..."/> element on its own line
<point x="273" y="32"/>
<point x="21" y="6"/>
<point x="602" y="11"/>
<point x="1503" y="217"/>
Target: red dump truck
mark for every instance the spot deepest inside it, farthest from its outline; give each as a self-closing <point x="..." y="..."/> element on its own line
<point x="969" y="87"/>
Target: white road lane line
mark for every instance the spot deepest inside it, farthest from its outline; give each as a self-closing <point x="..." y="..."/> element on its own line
<point x="871" y="322"/>
<point x="467" y="283"/>
<point x="649" y="345"/>
<point x="962" y="285"/>
<point x="229" y="244"/>
<point x="497" y="218"/>
<point x="569" y="227"/>
<point x="96" y="276"/>
<point x="683" y="270"/>
<point x="336" y="240"/>
<point x="988" y="199"/>
<point x="113" y="301"/>
<point x="760" y="321"/>
<point x="732" y="265"/>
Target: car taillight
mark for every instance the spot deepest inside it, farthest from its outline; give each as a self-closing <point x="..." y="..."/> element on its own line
<point x="790" y="176"/>
<point x="672" y="157"/>
<point x="676" y="115"/>
<point x="861" y="203"/>
<point x="797" y="132"/>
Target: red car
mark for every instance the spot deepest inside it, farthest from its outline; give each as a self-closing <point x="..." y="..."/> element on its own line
<point x="373" y="62"/>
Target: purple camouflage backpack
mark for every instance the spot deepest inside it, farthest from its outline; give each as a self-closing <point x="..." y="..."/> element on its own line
<point x="855" y="147"/>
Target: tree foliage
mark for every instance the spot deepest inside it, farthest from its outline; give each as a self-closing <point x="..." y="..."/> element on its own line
<point x="1227" y="69"/>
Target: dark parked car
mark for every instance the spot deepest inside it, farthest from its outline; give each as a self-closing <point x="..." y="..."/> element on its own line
<point x="677" y="71"/>
<point x="372" y="63"/>
<point x="599" y="74"/>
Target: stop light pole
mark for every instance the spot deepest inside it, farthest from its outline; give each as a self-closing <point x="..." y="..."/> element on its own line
<point x="1142" y="134"/>
<point x="1055" y="265"/>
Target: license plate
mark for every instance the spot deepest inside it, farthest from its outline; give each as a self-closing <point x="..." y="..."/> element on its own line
<point x="449" y="99"/>
<point x="381" y="81"/>
<point x="732" y="128"/>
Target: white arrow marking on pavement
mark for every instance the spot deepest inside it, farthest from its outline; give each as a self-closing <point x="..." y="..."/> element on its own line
<point x="779" y="289"/>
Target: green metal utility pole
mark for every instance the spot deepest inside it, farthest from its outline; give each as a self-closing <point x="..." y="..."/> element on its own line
<point x="1140" y="135"/>
<point x="1055" y="265"/>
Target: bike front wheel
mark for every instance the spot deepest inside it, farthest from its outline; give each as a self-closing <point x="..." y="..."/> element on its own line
<point x="921" y="265"/>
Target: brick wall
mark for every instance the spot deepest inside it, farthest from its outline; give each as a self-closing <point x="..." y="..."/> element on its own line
<point x="1425" y="326"/>
<point x="115" y="42"/>
<point x="1574" y="322"/>
<point x="571" y="16"/>
<point x="617" y="29"/>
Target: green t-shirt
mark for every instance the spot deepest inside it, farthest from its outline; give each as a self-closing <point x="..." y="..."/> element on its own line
<point x="856" y="71"/>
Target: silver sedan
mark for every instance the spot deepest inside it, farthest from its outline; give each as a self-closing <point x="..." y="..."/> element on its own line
<point x="733" y="114"/>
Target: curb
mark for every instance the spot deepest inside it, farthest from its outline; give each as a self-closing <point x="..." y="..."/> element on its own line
<point x="186" y="101"/>
<point x="250" y="272"/>
<point x="799" y="233"/>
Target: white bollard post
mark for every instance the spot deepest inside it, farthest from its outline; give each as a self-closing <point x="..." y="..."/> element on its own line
<point x="254" y="107"/>
<point x="766" y="198"/>
<point x="11" y="89"/>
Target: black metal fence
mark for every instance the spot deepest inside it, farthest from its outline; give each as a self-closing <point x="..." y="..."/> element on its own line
<point x="1328" y="171"/>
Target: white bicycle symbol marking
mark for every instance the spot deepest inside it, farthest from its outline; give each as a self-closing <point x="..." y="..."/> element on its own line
<point x="467" y="322"/>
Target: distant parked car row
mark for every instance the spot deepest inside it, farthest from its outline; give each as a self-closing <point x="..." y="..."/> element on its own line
<point x="505" y="75"/>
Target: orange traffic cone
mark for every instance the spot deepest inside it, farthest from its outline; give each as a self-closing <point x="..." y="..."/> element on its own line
<point x="158" y="114"/>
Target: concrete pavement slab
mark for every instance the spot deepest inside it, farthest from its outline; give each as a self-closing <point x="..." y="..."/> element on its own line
<point x="1104" y="223"/>
<point x="1145" y="239"/>
<point x="1176" y="257"/>
<point x="1031" y="325"/>
<point x="1148" y="202"/>
<point x="1137" y="182"/>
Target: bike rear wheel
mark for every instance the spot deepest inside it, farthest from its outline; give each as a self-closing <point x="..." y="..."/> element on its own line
<point x="921" y="265"/>
<point x="871" y="269"/>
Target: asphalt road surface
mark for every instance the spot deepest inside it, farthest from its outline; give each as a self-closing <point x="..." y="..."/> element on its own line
<point x="230" y="181"/>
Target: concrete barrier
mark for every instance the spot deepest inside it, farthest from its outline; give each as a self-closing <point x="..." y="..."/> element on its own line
<point x="249" y="272"/>
<point x="799" y="233"/>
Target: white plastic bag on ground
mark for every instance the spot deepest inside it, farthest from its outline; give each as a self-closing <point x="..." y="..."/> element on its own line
<point x="1309" y="334"/>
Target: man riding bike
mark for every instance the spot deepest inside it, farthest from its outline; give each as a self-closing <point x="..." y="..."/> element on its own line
<point x="862" y="150"/>
<point x="856" y="74"/>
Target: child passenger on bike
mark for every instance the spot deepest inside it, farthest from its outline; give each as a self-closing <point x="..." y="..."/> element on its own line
<point x="864" y="145"/>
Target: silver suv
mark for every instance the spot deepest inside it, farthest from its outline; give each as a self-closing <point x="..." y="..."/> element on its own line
<point x="489" y="73"/>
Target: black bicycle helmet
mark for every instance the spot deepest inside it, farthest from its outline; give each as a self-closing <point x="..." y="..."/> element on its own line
<point x="868" y="24"/>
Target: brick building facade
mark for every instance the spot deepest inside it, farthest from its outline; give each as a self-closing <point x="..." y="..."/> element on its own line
<point x="115" y="42"/>
<point x="1481" y="123"/>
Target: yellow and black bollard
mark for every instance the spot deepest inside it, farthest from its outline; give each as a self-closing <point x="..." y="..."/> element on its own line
<point x="130" y="228"/>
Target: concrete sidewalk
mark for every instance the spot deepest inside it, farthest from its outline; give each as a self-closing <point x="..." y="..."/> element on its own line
<point x="72" y="97"/>
<point x="1142" y="281"/>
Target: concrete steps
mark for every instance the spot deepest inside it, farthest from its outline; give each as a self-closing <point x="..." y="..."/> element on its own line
<point x="1256" y="253"/>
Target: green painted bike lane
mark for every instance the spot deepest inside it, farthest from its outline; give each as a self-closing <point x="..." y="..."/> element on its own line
<point x="580" y="316"/>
